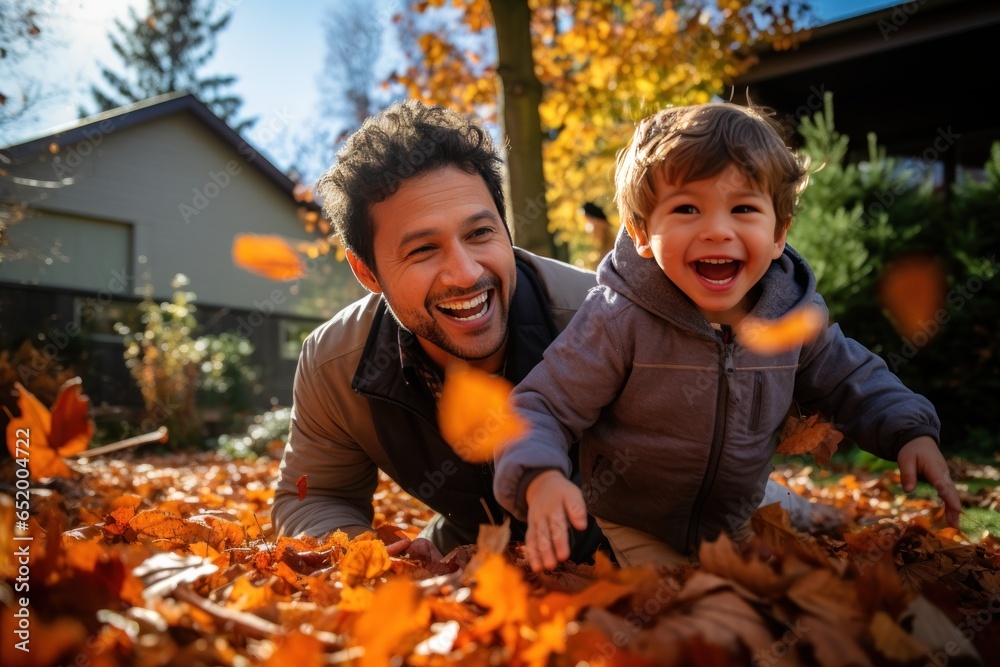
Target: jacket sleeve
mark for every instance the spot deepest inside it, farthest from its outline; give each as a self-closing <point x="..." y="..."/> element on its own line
<point x="854" y="388"/>
<point x="582" y="372"/>
<point x="341" y="477"/>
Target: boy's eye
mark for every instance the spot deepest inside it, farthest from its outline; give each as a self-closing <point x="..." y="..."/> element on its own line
<point x="745" y="208"/>
<point x="686" y="209"/>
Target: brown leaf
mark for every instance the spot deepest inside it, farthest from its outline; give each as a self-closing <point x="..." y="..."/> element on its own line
<point x="810" y="435"/>
<point x="71" y="425"/>
<point x="303" y="487"/>
<point x="268" y="256"/>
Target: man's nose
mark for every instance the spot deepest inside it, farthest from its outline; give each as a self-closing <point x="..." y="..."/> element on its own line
<point x="462" y="268"/>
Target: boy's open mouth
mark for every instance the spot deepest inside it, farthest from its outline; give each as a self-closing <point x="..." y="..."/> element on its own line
<point x="467" y="310"/>
<point x="717" y="271"/>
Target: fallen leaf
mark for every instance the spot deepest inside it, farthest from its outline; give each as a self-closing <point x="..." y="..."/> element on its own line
<point x="364" y="560"/>
<point x="500" y="587"/>
<point x="268" y="256"/>
<point x="473" y="413"/>
<point x="797" y="328"/>
<point x="299" y="649"/>
<point x="44" y="437"/>
<point x="397" y="613"/>
<point x="893" y="641"/>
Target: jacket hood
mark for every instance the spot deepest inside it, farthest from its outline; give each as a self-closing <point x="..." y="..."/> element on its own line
<point x="787" y="284"/>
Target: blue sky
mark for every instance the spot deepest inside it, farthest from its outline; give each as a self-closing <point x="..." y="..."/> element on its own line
<point x="276" y="49"/>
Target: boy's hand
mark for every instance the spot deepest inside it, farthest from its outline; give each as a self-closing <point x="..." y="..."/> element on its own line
<point x="551" y="499"/>
<point x="921" y="455"/>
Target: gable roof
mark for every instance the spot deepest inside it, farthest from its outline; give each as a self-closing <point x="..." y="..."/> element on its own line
<point x="149" y="110"/>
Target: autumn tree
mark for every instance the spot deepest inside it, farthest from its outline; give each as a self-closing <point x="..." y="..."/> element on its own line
<point x="601" y="66"/>
<point x="164" y="50"/>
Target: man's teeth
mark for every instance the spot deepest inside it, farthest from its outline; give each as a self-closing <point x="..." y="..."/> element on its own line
<point x="464" y="305"/>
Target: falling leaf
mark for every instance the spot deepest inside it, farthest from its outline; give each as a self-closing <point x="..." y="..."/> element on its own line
<point x="268" y="256"/>
<point x="43" y="438"/>
<point x="796" y="328"/>
<point x="912" y="291"/>
<point x="811" y="435"/>
<point x="474" y="415"/>
<point x="302" y="486"/>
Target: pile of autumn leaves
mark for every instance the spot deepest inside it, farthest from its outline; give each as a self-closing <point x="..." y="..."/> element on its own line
<point x="173" y="560"/>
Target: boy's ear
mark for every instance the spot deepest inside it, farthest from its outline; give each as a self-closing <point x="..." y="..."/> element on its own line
<point x="779" y="243"/>
<point x="639" y="238"/>
<point x="364" y="274"/>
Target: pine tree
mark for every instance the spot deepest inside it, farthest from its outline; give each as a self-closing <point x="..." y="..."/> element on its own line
<point x="164" y="51"/>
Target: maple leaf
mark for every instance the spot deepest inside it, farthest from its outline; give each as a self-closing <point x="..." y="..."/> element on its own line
<point x="268" y="256"/>
<point x="44" y="437"/>
<point x="365" y="559"/>
<point x="473" y="413"/>
<point x="797" y="328"/>
<point x="811" y="435"/>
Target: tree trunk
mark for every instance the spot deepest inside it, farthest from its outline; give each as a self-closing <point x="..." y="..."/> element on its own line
<point x="521" y="94"/>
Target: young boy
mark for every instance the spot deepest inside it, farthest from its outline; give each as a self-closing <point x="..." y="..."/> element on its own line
<point x="674" y="417"/>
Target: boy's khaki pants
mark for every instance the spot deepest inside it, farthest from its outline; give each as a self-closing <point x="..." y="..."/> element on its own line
<point x="634" y="547"/>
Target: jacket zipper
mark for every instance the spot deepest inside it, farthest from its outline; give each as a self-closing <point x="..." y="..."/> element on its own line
<point x="718" y="438"/>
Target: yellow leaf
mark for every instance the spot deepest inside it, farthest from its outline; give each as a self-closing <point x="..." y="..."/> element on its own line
<point x="364" y="560"/>
<point x="473" y="413"/>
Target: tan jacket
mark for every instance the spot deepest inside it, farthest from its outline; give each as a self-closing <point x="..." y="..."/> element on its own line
<point x="334" y="439"/>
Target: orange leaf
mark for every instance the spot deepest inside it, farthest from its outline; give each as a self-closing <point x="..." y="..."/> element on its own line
<point x="912" y="290"/>
<point x="893" y="641"/>
<point x="364" y="560"/>
<point x="299" y="649"/>
<point x="71" y="425"/>
<point x="268" y="256"/>
<point x="811" y="435"/>
<point x="42" y="438"/>
<point x="776" y="336"/>
<point x="501" y="588"/>
<point x="396" y="612"/>
<point x="474" y="415"/>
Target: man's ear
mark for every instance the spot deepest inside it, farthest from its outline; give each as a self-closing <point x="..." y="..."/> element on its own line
<point x="364" y="274"/>
<point x="779" y="243"/>
<point x="639" y="238"/>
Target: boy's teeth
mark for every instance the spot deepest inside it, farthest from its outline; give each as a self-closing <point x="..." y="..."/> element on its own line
<point x="464" y="305"/>
<point x="716" y="261"/>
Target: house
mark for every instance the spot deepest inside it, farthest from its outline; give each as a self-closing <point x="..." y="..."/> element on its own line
<point x="119" y="204"/>
<point x="915" y="74"/>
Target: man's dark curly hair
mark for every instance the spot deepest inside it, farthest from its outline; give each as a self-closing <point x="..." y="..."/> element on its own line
<point x="405" y="140"/>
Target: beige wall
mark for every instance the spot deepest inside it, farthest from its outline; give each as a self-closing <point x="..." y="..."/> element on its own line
<point x="180" y="194"/>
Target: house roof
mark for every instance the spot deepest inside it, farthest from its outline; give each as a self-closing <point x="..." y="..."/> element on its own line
<point x="152" y="109"/>
<point x="907" y="72"/>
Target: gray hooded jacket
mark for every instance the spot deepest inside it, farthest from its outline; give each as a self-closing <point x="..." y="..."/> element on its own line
<point x="676" y="424"/>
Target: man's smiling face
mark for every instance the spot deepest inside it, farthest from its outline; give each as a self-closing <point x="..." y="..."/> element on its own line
<point x="445" y="265"/>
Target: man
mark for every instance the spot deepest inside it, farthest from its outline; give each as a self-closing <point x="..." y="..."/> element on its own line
<point x="416" y="197"/>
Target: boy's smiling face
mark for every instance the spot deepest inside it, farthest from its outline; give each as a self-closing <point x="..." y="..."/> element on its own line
<point x="714" y="238"/>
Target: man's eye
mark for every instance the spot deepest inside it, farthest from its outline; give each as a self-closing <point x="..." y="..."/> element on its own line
<point x="424" y="249"/>
<point x="481" y="232"/>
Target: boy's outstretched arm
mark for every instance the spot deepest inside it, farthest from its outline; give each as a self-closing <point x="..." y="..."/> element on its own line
<point x="552" y="499"/>
<point x="922" y="455"/>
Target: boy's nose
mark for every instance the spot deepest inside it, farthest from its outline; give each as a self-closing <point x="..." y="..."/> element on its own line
<point x="716" y="228"/>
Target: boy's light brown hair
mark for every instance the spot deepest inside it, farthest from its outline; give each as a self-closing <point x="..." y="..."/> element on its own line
<point x="691" y="143"/>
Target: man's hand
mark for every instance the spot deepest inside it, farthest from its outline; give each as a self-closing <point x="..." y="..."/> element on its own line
<point x="921" y="455"/>
<point x="551" y="500"/>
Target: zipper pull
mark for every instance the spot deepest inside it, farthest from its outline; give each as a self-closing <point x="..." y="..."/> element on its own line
<point x="730" y="370"/>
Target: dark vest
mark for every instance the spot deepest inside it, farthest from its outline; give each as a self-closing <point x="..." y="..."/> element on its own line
<point x="405" y="418"/>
